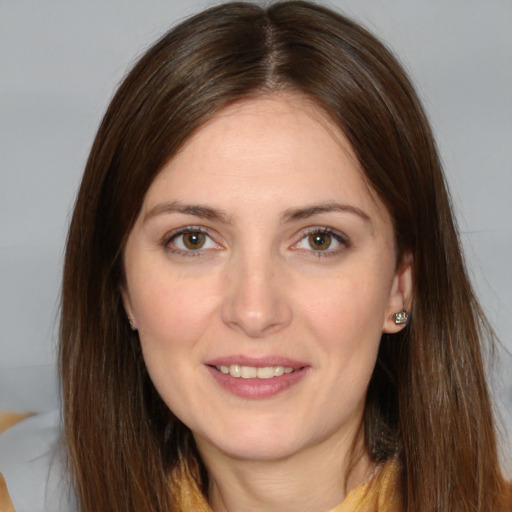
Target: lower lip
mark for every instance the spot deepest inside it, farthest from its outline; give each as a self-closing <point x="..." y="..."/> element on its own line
<point x="257" y="388"/>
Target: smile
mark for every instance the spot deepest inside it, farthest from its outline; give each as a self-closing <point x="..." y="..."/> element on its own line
<point x="254" y="372"/>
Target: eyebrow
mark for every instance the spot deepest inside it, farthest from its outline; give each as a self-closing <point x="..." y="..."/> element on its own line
<point x="290" y="215"/>
<point x="203" y="212"/>
<point x="295" y="214"/>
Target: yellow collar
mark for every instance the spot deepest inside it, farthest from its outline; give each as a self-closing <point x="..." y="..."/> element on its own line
<point x="381" y="494"/>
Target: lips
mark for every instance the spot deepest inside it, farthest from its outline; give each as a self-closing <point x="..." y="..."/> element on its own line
<point x="256" y="378"/>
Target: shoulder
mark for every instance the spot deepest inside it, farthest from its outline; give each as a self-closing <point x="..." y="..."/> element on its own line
<point x="31" y="463"/>
<point x="7" y="420"/>
<point x="5" y="500"/>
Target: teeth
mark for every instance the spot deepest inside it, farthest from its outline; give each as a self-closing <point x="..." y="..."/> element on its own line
<point x="278" y="370"/>
<point x="253" y="372"/>
<point x="248" y="372"/>
<point x="266" y="372"/>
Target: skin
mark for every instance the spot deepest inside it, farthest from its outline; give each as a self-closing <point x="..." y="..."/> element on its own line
<point x="259" y="288"/>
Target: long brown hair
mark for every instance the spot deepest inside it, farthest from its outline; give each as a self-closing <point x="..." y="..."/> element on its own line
<point x="428" y="402"/>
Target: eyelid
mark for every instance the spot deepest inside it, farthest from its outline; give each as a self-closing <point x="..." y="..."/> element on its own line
<point x="169" y="237"/>
<point x="340" y="237"/>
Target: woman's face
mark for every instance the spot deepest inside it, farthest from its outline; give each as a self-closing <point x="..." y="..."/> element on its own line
<point x="261" y="273"/>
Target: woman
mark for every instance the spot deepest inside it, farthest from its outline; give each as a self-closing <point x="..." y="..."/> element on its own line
<point x="264" y="303"/>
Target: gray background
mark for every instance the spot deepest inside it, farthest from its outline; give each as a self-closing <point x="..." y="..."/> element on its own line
<point x="60" y="62"/>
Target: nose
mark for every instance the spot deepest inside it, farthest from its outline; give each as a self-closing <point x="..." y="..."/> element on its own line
<point x="255" y="299"/>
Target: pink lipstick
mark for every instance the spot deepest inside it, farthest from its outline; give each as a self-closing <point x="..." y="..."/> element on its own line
<point x="256" y="378"/>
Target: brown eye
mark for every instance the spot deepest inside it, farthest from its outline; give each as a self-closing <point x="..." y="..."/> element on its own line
<point x="191" y="241"/>
<point x="320" y="241"/>
<point x="194" y="240"/>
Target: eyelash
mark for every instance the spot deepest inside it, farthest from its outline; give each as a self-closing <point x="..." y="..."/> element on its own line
<point x="336" y="235"/>
<point x="183" y="231"/>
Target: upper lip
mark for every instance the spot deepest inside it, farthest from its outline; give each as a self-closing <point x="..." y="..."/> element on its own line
<point x="259" y="362"/>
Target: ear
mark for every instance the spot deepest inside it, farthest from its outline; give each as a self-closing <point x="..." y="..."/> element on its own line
<point x="127" y="303"/>
<point x="400" y="296"/>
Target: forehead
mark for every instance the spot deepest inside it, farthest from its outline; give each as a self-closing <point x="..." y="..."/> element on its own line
<point x="273" y="126"/>
<point x="274" y="150"/>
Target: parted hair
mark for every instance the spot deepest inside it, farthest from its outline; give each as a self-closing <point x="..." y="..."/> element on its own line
<point x="428" y="403"/>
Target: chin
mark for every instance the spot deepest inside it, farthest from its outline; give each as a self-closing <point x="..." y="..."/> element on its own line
<point x="261" y="450"/>
<point x="258" y="443"/>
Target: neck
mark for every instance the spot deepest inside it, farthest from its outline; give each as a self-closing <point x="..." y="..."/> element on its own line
<point x="314" y="479"/>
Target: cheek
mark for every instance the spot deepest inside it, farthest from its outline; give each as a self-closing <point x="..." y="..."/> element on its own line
<point x="172" y="310"/>
<point x="347" y="308"/>
<point x="173" y="315"/>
